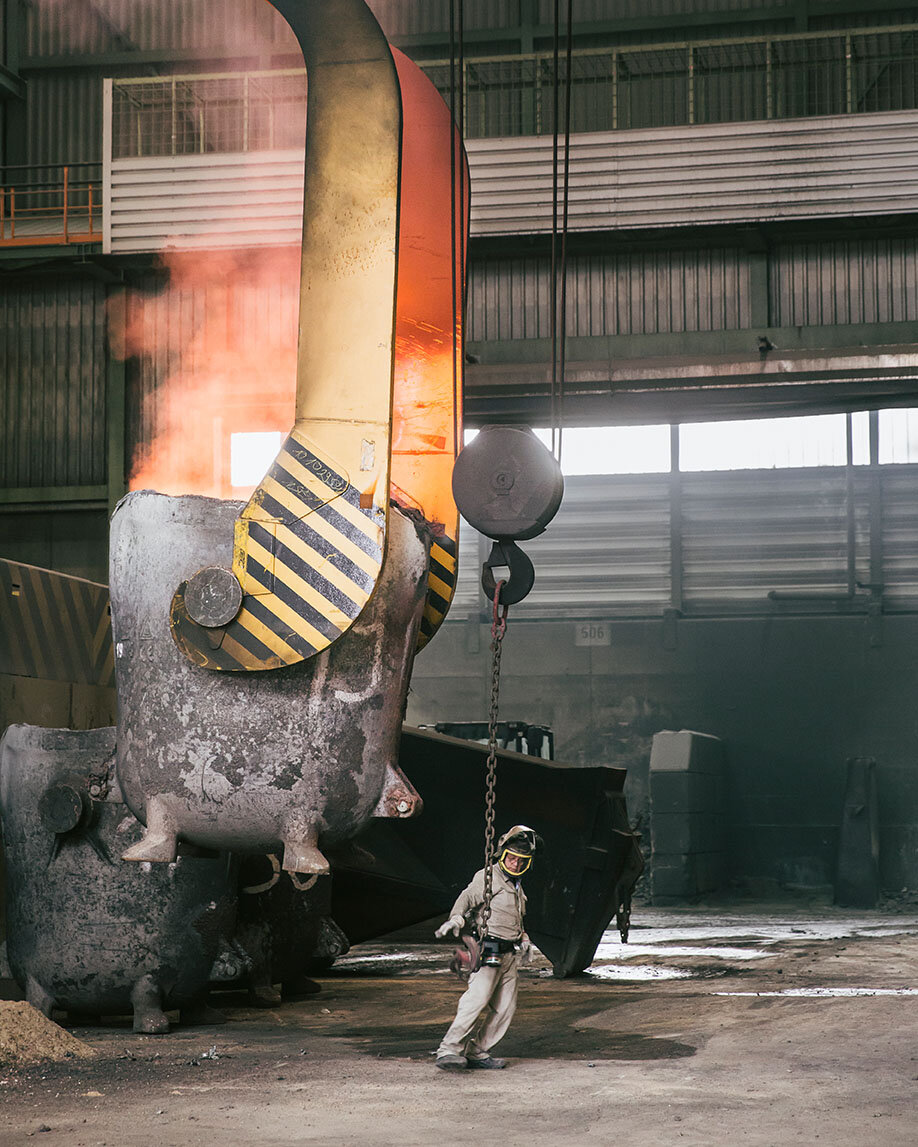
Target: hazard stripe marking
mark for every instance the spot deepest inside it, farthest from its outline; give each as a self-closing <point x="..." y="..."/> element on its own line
<point x="342" y="512"/>
<point x="442" y="589"/>
<point x="268" y="638"/>
<point x="444" y="559"/>
<point x="362" y="551"/>
<point x="55" y="628"/>
<point x="341" y="594"/>
<point x="441" y="585"/>
<point x="313" y="625"/>
<point x="308" y="557"/>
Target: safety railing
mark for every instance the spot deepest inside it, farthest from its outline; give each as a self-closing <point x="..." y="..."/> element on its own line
<point x="51" y="205"/>
<point x="203" y="114"/>
<point x="720" y="81"/>
<point x="655" y="85"/>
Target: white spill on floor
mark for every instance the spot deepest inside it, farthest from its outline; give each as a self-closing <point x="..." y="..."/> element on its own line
<point x="636" y="972"/>
<point x="819" y="993"/>
<point x="727" y="937"/>
<point x="394" y="958"/>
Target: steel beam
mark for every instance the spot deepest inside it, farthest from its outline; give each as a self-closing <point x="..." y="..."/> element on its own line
<point x="11" y="84"/>
<point x="47" y="497"/>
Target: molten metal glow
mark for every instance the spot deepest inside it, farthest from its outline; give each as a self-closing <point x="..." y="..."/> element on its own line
<point x="427" y="413"/>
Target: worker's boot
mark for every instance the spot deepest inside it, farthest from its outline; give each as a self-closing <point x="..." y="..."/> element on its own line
<point x="452" y="1062"/>
<point x="488" y="1062"/>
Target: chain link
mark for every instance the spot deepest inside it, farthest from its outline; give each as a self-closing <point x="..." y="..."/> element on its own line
<point x="498" y="629"/>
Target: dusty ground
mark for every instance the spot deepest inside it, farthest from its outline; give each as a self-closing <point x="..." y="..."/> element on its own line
<point x="646" y="1060"/>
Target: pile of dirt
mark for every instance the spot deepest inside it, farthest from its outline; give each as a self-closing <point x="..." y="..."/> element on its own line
<point x="27" y="1037"/>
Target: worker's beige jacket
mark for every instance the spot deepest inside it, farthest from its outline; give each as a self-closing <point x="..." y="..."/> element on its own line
<point x="508" y="903"/>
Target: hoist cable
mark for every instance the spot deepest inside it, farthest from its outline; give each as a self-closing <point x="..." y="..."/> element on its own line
<point x="460" y="70"/>
<point x="553" y="290"/>
<point x="565" y="198"/>
<point x="453" y="229"/>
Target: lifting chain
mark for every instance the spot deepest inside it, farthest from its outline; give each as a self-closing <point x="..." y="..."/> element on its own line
<point x="498" y="629"/>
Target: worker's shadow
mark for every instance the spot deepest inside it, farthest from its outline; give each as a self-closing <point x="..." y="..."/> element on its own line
<point x="549" y="1030"/>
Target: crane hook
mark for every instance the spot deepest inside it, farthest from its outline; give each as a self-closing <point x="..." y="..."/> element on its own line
<point x="505" y="553"/>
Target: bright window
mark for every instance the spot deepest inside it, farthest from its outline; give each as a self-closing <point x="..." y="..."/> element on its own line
<point x="251" y="454"/>
<point x="899" y="435"/>
<point x="612" y="449"/>
<point x="764" y="443"/>
<point x="609" y="449"/>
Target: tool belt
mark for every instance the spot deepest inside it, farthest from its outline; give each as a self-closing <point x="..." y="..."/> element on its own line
<point x="493" y="951"/>
<point x="500" y="945"/>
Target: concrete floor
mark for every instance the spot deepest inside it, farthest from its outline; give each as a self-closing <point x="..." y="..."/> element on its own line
<point x="713" y="1027"/>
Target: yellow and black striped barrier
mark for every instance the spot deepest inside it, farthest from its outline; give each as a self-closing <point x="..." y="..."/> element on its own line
<point x="53" y="626"/>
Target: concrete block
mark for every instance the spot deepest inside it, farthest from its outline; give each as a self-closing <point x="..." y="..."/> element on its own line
<point x="684" y="792"/>
<point x="670" y="877"/>
<point x="686" y="750"/>
<point x="686" y="832"/>
<point x="686" y="875"/>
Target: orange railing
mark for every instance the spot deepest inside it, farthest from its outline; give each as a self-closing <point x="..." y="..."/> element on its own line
<point x="51" y="205"/>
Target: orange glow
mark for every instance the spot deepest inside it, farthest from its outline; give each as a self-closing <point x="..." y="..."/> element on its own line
<point x="220" y="338"/>
<point x="428" y="415"/>
<point x="226" y="323"/>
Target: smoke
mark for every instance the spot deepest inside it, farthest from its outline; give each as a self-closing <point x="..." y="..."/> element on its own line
<point x="215" y="356"/>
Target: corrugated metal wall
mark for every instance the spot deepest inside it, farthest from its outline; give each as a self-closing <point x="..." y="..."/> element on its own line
<point x="869" y="280"/>
<point x="588" y="11"/>
<point x="750" y="532"/>
<point x="743" y="534"/>
<point x="52" y="383"/>
<point x="63" y="118"/>
<point x="57" y="28"/>
<point x="609" y="293"/>
<point x="680" y="177"/>
<point x="422" y="17"/>
<point x="714" y="173"/>
<point x="900" y="534"/>
<point x="863" y="280"/>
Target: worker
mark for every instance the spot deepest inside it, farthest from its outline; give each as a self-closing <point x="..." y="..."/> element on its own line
<point x="486" y="1007"/>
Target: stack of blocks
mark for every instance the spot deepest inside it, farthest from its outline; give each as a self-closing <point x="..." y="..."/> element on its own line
<point x="686" y="816"/>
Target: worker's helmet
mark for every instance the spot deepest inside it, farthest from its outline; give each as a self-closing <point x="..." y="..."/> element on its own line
<point x="520" y="841"/>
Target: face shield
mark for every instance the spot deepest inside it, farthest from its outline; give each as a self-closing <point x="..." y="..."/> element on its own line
<point x="513" y="862"/>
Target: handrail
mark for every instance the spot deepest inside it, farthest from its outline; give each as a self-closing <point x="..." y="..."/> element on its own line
<point x="621" y="86"/>
<point x="73" y="214"/>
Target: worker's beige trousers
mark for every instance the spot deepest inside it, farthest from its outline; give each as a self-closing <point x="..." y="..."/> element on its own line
<point x="484" y="1012"/>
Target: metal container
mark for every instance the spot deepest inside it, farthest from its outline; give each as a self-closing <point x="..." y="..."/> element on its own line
<point x="86" y="932"/>
<point x="295" y="758"/>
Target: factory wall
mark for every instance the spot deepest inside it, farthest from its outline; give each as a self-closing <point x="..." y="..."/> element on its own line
<point x="67" y="539"/>
<point x="792" y="698"/>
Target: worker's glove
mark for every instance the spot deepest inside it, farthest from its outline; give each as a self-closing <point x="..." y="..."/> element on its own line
<point x="453" y="924"/>
<point x="525" y="950"/>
